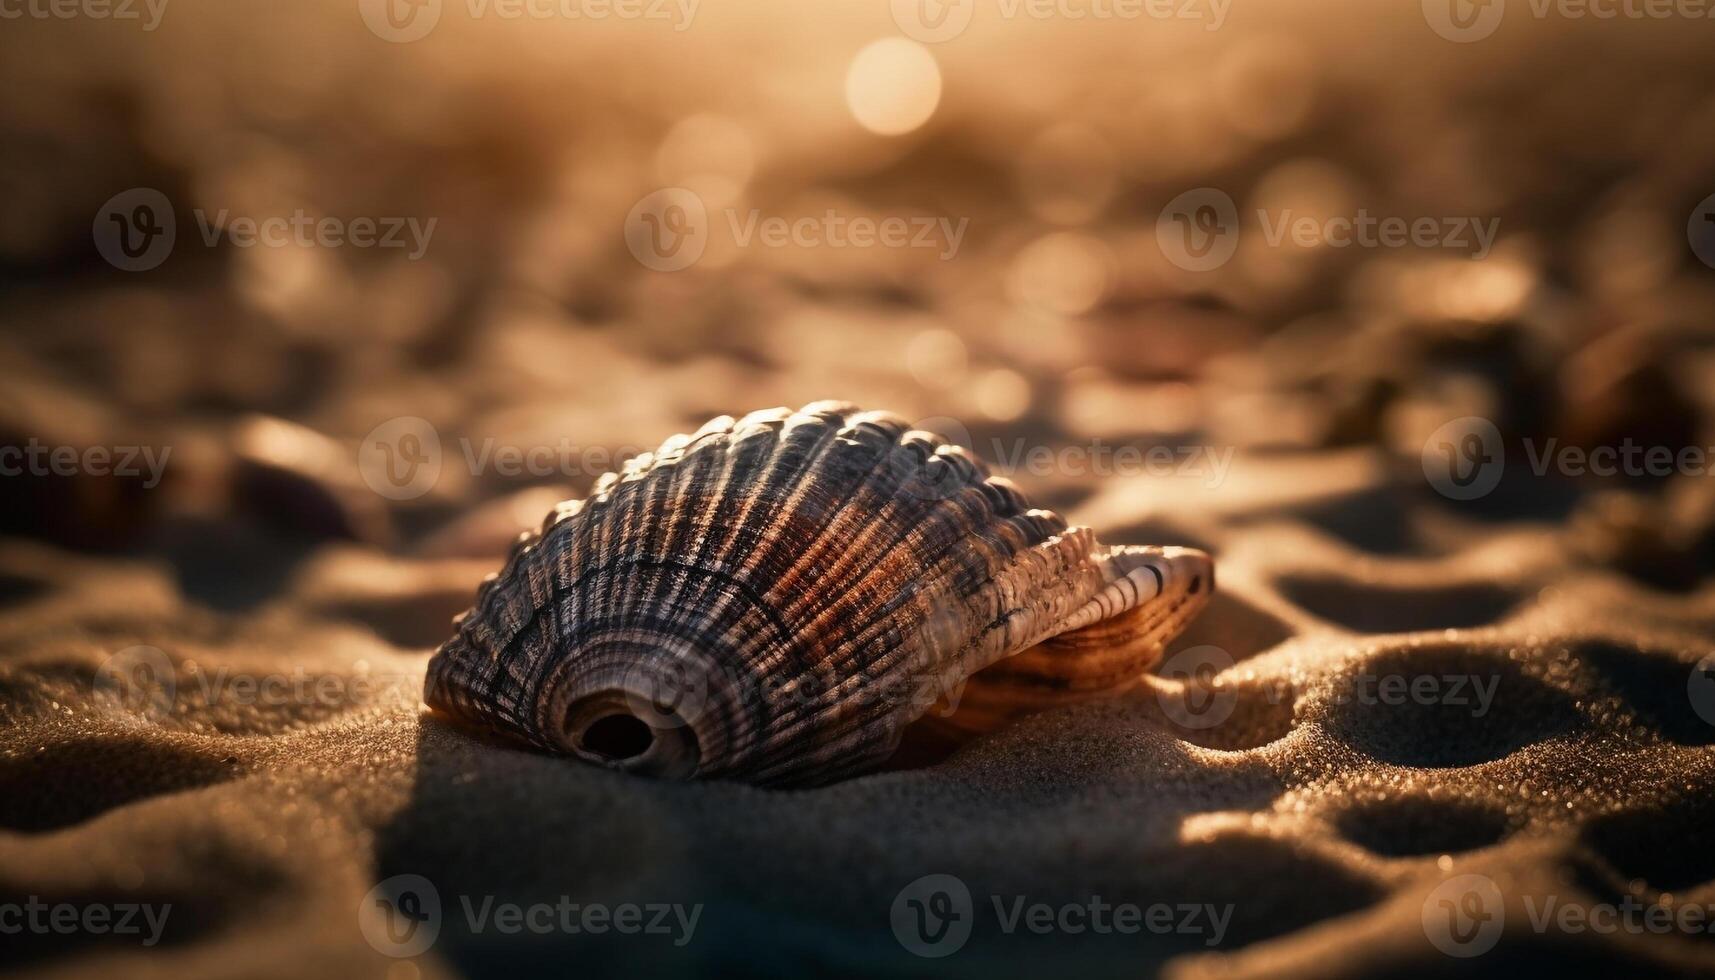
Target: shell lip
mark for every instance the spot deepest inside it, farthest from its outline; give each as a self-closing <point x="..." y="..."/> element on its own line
<point x="606" y="729"/>
<point x="640" y="705"/>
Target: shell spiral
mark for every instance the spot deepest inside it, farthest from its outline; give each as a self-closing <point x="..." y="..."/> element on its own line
<point x="774" y="598"/>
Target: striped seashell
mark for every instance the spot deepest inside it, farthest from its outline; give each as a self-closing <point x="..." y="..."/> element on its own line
<point x="774" y="599"/>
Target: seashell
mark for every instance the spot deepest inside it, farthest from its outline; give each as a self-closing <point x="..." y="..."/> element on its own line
<point x="774" y="599"/>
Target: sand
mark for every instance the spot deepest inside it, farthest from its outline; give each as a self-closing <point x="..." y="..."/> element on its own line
<point x="1317" y="817"/>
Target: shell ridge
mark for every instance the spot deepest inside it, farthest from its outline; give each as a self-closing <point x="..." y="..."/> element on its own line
<point x="890" y="517"/>
<point x="657" y="527"/>
<point x="880" y="614"/>
<point x="963" y="512"/>
<point x="746" y="447"/>
<point x="589" y="627"/>
<point x="886" y="428"/>
<point x="743" y="449"/>
<point x="852" y="497"/>
<point x="789" y="462"/>
<point x="887" y="618"/>
<point x="1026" y="589"/>
<point x="780" y="461"/>
<point x="845" y="604"/>
<point x="711" y="449"/>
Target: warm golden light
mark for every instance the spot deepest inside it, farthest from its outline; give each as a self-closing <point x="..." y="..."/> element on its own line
<point x="893" y="86"/>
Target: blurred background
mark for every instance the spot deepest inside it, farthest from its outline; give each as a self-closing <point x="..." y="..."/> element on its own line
<point x="307" y="308"/>
<point x="477" y="236"/>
